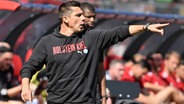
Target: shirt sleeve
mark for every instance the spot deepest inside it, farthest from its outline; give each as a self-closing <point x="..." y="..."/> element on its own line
<point x="36" y="61"/>
<point x="104" y="39"/>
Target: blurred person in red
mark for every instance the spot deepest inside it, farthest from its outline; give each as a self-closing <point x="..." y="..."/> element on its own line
<point x="155" y="60"/>
<point x="9" y="85"/>
<point x="157" y="87"/>
<point x="135" y="72"/>
<point x="171" y="62"/>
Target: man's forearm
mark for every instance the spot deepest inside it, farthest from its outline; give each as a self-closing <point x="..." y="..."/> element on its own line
<point x="134" y="29"/>
<point x="25" y="82"/>
<point x="103" y="89"/>
<point x="102" y="82"/>
<point x="14" y="91"/>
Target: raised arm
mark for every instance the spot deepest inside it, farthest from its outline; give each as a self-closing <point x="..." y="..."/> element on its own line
<point x="105" y="38"/>
<point x="158" y="28"/>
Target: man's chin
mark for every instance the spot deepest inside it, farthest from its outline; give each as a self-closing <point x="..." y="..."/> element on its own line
<point x="91" y="25"/>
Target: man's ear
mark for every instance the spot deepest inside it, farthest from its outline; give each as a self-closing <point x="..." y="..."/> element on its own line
<point x="65" y="19"/>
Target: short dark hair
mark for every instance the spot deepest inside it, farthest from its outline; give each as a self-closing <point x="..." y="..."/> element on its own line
<point x="144" y="64"/>
<point x="4" y="49"/>
<point x="88" y="6"/>
<point x="65" y="7"/>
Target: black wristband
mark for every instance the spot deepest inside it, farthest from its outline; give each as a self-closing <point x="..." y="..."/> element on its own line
<point x="145" y="27"/>
<point x="104" y="96"/>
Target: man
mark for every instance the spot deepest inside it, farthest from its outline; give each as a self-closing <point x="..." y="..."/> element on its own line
<point x="156" y="60"/>
<point x="16" y="60"/>
<point x="135" y="72"/>
<point x="115" y="71"/>
<point x="89" y="14"/>
<point x="171" y="62"/>
<point x="89" y="19"/>
<point x="9" y="88"/>
<point x="71" y="56"/>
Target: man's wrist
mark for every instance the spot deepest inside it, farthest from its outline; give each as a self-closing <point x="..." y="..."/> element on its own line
<point x="104" y="97"/>
<point x="145" y="27"/>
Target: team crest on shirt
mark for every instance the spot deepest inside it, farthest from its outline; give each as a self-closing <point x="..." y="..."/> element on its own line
<point x="84" y="51"/>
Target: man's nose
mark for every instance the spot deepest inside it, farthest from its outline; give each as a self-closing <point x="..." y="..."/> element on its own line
<point x="82" y="17"/>
<point x="92" y="19"/>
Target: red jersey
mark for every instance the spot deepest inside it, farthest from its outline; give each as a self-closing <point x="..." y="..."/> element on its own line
<point x="169" y="78"/>
<point x="129" y="76"/>
<point x="154" y="79"/>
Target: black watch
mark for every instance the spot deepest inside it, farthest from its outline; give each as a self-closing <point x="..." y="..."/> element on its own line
<point x="145" y="27"/>
<point x="104" y="97"/>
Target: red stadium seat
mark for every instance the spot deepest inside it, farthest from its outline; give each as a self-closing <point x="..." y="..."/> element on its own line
<point x="28" y="54"/>
<point x="17" y="65"/>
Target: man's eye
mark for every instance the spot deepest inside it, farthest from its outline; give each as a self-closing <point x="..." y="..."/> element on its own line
<point x="78" y="15"/>
<point x="88" y="16"/>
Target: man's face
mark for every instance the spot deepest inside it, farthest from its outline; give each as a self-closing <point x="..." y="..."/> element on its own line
<point x="157" y="59"/>
<point x="89" y="17"/>
<point x="139" y="71"/>
<point x="5" y="60"/>
<point x="75" y="19"/>
<point x="172" y="63"/>
<point x="118" y="70"/>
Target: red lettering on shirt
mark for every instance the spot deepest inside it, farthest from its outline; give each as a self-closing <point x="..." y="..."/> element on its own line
<point x="68" y="48"/>
<point x="81" y="45"/>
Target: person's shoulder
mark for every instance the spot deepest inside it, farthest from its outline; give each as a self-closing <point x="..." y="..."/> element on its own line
<point x="48" y="36"/>
<point x="92" y="31"/>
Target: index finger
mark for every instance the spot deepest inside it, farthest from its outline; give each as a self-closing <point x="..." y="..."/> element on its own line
<point x="164" y="24"/>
